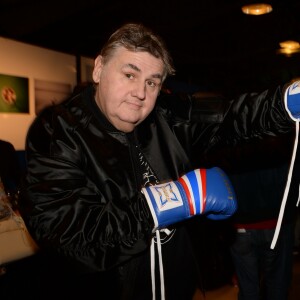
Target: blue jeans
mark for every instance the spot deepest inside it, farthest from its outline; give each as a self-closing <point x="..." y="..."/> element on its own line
<point x="262" y="272"/>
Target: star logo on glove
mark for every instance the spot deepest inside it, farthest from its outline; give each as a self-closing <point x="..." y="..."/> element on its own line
<point x="166" y="195"/>
<point x="295" y="85"/>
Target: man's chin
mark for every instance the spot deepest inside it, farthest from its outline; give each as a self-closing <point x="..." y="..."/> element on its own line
<point x="126" y="125"/>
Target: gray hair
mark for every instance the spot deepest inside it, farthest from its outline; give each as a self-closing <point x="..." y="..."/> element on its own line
<point x="137" y="37"/>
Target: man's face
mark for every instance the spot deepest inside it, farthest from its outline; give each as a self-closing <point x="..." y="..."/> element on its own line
<point x="128" y="85"/>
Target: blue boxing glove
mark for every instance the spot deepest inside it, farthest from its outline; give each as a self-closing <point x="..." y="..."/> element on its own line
<point x="292" y="100"/>
<point x="199" y="192"/>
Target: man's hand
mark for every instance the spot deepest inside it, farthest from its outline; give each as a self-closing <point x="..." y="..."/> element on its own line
<point x="199" y="192"/>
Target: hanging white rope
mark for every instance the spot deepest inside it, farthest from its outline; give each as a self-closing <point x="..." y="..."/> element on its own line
<point x="287" y="188"/>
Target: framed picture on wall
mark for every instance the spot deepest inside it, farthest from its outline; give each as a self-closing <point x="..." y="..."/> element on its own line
<point x="14" y="94"/>
<point x="50" y="93"/>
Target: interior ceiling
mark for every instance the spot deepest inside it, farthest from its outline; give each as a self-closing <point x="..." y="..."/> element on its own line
<point x="213" y="44"/>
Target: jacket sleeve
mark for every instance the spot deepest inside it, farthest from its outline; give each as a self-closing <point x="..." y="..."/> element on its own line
<point x="219" y="122"/>
<point x="68" y="212"/>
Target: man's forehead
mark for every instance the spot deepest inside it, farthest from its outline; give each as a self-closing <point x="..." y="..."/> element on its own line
<point x="139" y="60"/>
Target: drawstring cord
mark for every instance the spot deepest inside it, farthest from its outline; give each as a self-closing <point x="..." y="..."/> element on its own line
<point x="161" y="269"/>
<point x="298" y="197"/>
<point x="287" y="188"/>
<point x="153" y="267"/>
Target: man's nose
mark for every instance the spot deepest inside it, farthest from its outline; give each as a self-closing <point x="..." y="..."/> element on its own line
<point x="139" y="90"/>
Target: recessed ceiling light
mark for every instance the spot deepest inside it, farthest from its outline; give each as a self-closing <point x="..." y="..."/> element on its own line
<point x="289" y="48"/>
<point x="290" y="45"/>
<point x="257" y="9"/>
<point x="288" y="52"/>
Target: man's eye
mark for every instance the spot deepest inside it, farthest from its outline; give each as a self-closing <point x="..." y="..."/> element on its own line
<point x="151" y="83"/>
<point x="130" y="76"/>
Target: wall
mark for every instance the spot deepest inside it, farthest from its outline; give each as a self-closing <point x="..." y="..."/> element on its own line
<point x="19" y="59"/>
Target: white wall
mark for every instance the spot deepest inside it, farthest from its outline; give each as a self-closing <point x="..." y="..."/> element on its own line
<point x="19" y="59"/>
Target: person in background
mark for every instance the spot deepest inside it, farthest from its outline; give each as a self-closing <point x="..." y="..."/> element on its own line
<point x="296" y="249"/>
<point x="259" y="171"/>
<point x="10" y="177"/>
<point x="263" y="272"/>
<point x="111" y="186"/>
<point x="10" y="172"/>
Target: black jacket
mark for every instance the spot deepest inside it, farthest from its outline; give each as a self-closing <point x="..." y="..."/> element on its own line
<point x="83" y="198"/>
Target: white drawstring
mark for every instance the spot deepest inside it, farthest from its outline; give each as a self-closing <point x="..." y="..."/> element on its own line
<point x="298" y="197"/>
<point x="153" y="268"/>
<point x="161" y="270"/>
<point x="287" y="188"/>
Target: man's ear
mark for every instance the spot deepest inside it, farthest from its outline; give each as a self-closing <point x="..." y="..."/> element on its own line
<point x="97" y="69"/>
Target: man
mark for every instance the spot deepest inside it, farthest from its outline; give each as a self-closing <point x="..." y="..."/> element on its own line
<point x="110" y="180"/>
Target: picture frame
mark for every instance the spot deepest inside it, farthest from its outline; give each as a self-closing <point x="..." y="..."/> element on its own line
<point x="14" y="94"/>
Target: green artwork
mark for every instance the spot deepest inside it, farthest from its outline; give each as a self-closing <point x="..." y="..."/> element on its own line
<point x="14" y="95"/>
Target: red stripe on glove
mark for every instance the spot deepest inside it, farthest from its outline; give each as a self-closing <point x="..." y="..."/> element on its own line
<point x="187" y="192"/>
<point x="203" y="179"/>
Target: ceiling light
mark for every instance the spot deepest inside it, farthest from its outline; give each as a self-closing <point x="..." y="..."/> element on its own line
<point x="257" y="9"/>
<point x="289" y="47"/>
<point x="288" y="52"/>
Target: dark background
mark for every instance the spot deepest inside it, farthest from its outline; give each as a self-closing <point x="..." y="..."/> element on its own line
<point x="214" y="45"/>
